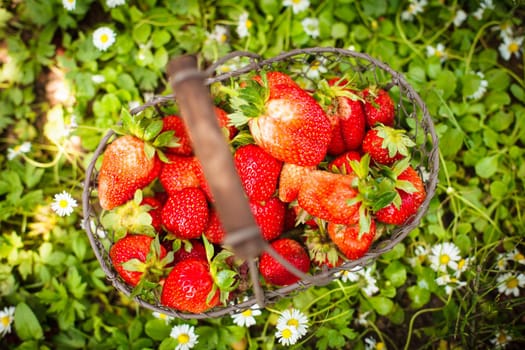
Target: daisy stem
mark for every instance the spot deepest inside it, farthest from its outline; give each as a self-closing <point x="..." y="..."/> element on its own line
<point x="343" y="289"/>
<point x="411" y="324"/>
<point x="474" y="42"/>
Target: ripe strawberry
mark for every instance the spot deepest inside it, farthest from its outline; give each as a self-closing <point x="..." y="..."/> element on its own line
<point x="275" y="273"/>
<point x="179" y="173"/>
<point x="326" y="195"/>
<point x="347" y="238"/>
<point x="185" y="213"/>
<point x="190" y="287"/>
<point x="190" y="249"/>
<point x="342" y="164"/>
<point x="379" y="107"/>
<point x="214" y="232"/>
<point x="126" y="167"/>
<point x="155" y="211"/>
<point x="285" y="121"/>
<point x="387" y="145"/>
<point x="276" y="78"/>
<point x="131" y="257"/>
<point x="224" y="122"/>
<point x="290" y="180"/>
<point x="258" y="171"/>
<point x="269" y="216"/>
<point x="176" y="124"/>
<point x="412" y="193"/>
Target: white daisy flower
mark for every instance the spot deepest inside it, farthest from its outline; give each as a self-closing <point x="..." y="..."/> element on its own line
<point x="69" y="4"/>
<point x="515" y="255"/>
<point x="243" y="25"/>
<point x="219" y="34"/>
<point x="501" y="339"/>
<point x="372" y="344"/>
<point x="316" y="68"/>
<point x="460" y="17"/>
<point x="7" y="316"/>
<point x="414" y="7"/>
<point x="463" y="265"/>
<point x="287" y="335"/>
<point x="482" y="87"/>
<point x="450" y="283"/>
<point x="362" y="318"/>
<point x="371" y="282"/>
<point x="420" y="255"/>
<point x="501" y="262"/>
<point x="311" y="26"/>
<point x="295" y="319"/>
<point x="163" y="316"/>
<point x="246" y="318"/>
<point x="484" y="5"/>
<point x="98" y="78"/>
<point x="437" y="51"/>
<point x="351" y="275"/>
<point x="510" y="46"/>
<point x="185" y="336"/>
<point x="114" y="3"/>
<point x="103" y="38"/>
<point x="63" y="204"/>
<point x="510" y="283"/>
<point x="14" y="152"/>
<point x="297" y="5"/>
<point x="444" y="255"/>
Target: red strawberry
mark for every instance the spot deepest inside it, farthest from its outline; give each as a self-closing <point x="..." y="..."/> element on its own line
<point x="189" y="287"/>
<point x="412" y="194"/>
<point x="269" y="216"/>
<point x="286" y="122"/>
<point x="379" y="107"/>
<point x="325" y="195"/>
<point x="155" y="212"/>
<point x="276" y="78"/>
<point x="275" y="273"/>
<point x="125" y="168"/>
<point x="290" y="180"/>
<point x="258" y="171"/>
<point x="176" y="124"/>
<point x="185" y="213"/>
<point x="191" y="249"/>
<point x="387" y="145"/>
<point x="224" y="122"/>
<point x="214" y="232"/>
<point x="342" y="164"/>
<point x="346" y="238"/>
<point x="134" y="250"/>
<point x="179" y="173"/>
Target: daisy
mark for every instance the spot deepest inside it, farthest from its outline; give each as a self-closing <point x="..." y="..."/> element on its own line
<point x="437" y="51"/>
<point x="295" y="319"/>
<point x="510" y="46"/>
<point x="413" y="9"/>
<point x="219" y="34"/>
<point x="510" y="283"/>
<point x="63" y="204"/>
<point x="516" y="256"/>
<point x="501" y="339"/>
<point x="371" y="344"/>
<point x="484" y="5"/>
<point x="162" y="316"/>
<point x="114" y="3"/>
<point x="243" y="25"/>
<point x="14" y="152"/>
<point x="444" y="255"/>
<point x="185" y="336"/>
<point x="482" y="87"/>
<point x="420" y="255"/>
<point x="316" y="68"/>
<point x="287" y="335"/>
<point x="297" y="5"/>
<point x="7" y="315"/>
<point x="463" y="264"/>
<point x="460" y="17"/>
<point x="311" y="26"/>
<point x="371" y="283"/>
<point x="246" y="318"/>
<point x="351" y="275"/>
<point x="362" y="318"/>
<point x="69" y="4"/>
<point x="98" y="78"/>
<point x="450" y="283"/>
<point x="103" y="38"/>
<point x="501" y="262"/>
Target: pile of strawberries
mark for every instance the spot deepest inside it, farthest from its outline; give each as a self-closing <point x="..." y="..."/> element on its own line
<point x="326" y="173"/>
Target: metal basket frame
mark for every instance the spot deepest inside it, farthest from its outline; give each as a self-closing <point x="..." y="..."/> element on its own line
<point x="409" y="105"/>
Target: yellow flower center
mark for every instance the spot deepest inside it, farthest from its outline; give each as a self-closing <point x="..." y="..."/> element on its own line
<point x="223" y="38"/>
<point x="411" y="8"/>
<point x="293" y="322"/>
<point x="380" y="346"/>
<point x="104" y="38"/>
<point x="286" y="333"/>
<point x="443" y="258"/>
<point x="512" y="282"/>
<point x="5" y="321"/>
<point x="519" y="257"/>
<point x="296" y="1"/>
<point x="163" y="316"/>
<point x="71" y="1"/>
<point x="183" y="338"/>
<point x="513" y="47"/>
<point x="248" y="24"/>
<point x="63" y="203"/>
<point x="461" y="264"/>
<point x="247" y="313"/>
<point x="502" y="338"/>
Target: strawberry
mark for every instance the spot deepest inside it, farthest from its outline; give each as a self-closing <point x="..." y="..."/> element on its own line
<point x="258" y="171"/>
<point x="224" y="122"/>
<point x="285" y="121"/>
<point x="214" y="231"/>
<point x="183" y="145"/>
<point x="189" y="249"/>
<point x="269" y="216"/>
<point x="290" y="181"/>
<point x="349" y="240"/>
<point x="411" y="190"/>
<point x="275" y="273"/>
<point x="322" y="251"/>
<point x="190" y="287"/>
<point x="326" y="195"/>
<point x="185" y="213"/>
<point x="155" y="211"/>
<point x="387" y="145"/>
<point x="379" y="107"/>
<point x="179" y="173"/>
<point x="135" y="255"/>
<point x="341" y="164"/>
<point x="126" y="167"/>
<point x="276" y="78"/>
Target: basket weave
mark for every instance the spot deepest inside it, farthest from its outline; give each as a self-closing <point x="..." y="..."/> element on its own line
<point x="300" y="64"/>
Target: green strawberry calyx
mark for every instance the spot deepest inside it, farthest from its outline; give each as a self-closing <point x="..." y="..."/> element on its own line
<point x="394" y="140"/>
<point x="225" y="279"/>
<point x="249" y="101"/>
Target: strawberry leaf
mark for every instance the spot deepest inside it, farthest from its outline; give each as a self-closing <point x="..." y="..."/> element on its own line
<point x="149" y="150"/>
<point x="152" y="130"/>
<point x="166" y="139"/>
<point x="134" y="265"/>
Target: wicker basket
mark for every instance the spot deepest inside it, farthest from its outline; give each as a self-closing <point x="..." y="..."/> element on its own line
<point x="303" y="65"/>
